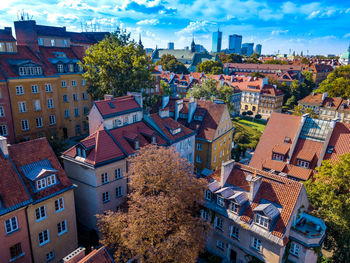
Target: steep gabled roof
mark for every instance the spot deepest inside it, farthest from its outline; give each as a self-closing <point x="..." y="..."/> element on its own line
<point x="116" y="106"/>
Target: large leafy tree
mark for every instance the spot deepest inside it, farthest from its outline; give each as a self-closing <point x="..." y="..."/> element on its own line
<point x="337" y="83"/>
<point x="210" y="67"/>
<point x="207" y="90"/>
<point x="278" y="62"/>
<point x="231" y="58"/>
<point x="170" y="63"/>
<point x="329" y="195"/>
<point x="116" y="65"/>
<point x="162" y="222"/>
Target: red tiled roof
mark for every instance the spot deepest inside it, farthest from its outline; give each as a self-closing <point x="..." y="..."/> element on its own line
<point x="278" y="127"/>
<point x="312" y="98"/>
<point x="6" y="35"/>
<point x="299" y="172"/>
<point x="340" y="140"/>
<point x="274" y="165"/>
<point x="263" y="66"/>
<point x="307" y="149"/>
<point x="281" y="148"/>
<point x="120" y="104"/>
<point x="100" y="255"/>
<point x="36" y="150"/>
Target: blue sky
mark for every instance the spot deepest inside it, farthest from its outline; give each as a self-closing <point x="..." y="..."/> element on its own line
<point x="321" y="27"/>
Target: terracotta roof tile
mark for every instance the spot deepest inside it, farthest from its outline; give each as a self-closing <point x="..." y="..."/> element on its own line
<point x="299" y="172"/>
<point x="340" y="140"/>
<point x="117" y="105"/>
<point x="274" y="165"/>
<point x="100" y="255"/>
<point x="281" y="148"/>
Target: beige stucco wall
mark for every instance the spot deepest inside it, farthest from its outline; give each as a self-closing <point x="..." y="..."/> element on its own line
<point x="61" y="245"/>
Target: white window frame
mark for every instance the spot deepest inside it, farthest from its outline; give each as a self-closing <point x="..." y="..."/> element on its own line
<point x="53" y="42"/>
<point x="59" y="204"/>
<point x="74" y="83"/>
<point x="25" y="125"/>
<point x="234" y="207"/>
<point x="256" y="244"/>
<point x="220" y="201"/>
<point x="294" y="249"/>
<point x="119" y="191"/>
<point x="218" y="223"/>
<point x="37" y="106"/>
<point x="118" y="173"/>
<point x="63" y="226"/>
<point x="204" y="214"/>
<point x="220" y="244"/>
<point x="39" y="122"/>
<point x="11" y="225"/>
<point x="234" y="231"/>
<point x="19" y="90"/>
<point x="104" y="178"/>
<point x="64" y="84"/>
<point x="2" y="111"/>
<point x="45" y="240"/>
<point x="50" y="256"/>
<point x="106" y="197"/>
<point x="52" y="119"/>
<point x="3" y="130"/>
<point x="50" y="104"/>
<point x="262" y="221"/>
<point x="208" y="195"/>
<point x="304" y="164"/>
<point x="35" y="89"/>
<point x="22" y="106"/>
<point x="41" y="211"/>
<point x="48" y="87"/>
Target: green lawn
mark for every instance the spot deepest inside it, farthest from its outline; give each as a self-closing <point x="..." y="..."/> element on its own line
<point x="255" y="125"/>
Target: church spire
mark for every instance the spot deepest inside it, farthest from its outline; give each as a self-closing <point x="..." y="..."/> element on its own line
<point x="140" y="42"/>
<point x="193" y="45"/>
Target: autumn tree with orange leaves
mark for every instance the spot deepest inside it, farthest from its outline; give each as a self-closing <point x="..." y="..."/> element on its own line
<point x="162" y="222"/>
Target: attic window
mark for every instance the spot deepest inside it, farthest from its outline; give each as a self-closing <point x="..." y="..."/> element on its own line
<point x="176" y="131"/>
<point x="137" y="145"/>
<point x="262" y="220"/>
<point x="60" y="68"/>
<point x="303" y="164"/>
<point x="30" y="71"/>
<point x="330" y="149"/>
<point x="234" y="207"/>
<point x="287" y="140"/>
<point x="81" y="152"/>
<point x="45" y="182"/>
<point x="154" y="140"/>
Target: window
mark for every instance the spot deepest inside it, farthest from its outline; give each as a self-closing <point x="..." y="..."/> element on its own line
<point x="86" y="110"/>
<point x="204" y="214"/>
<point x="137" y="145"/>
<point x="134" y="118"/>
<point x="256" y="243"/>
<point x="65" y="98"/>
<point x="35" y="89"/>
<point x="11" y="225"/>
<point x="46" y="182"/>
<point x="71" y="69"/>
<point x="154" y="140"/>
<point x="9" y="47"/>
<point x="2" y="47"/>
<point x="294" y="249"/>
<point x="66" y="113"/>
<point x="276" y="156"/>
<point x="64" y="43"/>
<point x="234" y="207"/>
<point x="83" y="81"/>
<point x="207" y="195"/>
<point x="40" y="41"/>
<point x="48" y="88"/>
<point x="198" y="159"/>
<point x="50" y="256"/>
<point x="104" y="178"/>
<point x="220" y="201"/>
<point x="220" y="244"/>
<point x="50" y="103"/>
<point x="53" y="42"/>
<point x="119" y="191"/>
<point x="25" y="125"/>
<point x="59" y="204"/>
<point x="234" y="231"/>
<point x="64" y="84"/>
<point x="84" y="95"/>
<point x="214" y="160"/>
<point x="105" y="197"/>
<point x="199" y="146"/>
<point x="16" y="251"/>
<point x="262" y="220"/>
<point x="76" y="112"/>
<point x="22" y="106"/>
<point x="60" y="68"/>
<point x="37" y="105"/>
<point x="218" y="223"/>
<point x="118" y="173"/>
<point x="74" y="83"/>
<point x="302" y="163"/>
<point x="3" y="130"/>
<point x="52" y="119"/>
<point x="44" y="237"/>
<point x="61" y="227"/>
<point x="19" y="90"/>
<point x="39" y="122"/>
<point x="40" y="213"/>
<point x="75" y="97"/>
<point x="2" y="112"/>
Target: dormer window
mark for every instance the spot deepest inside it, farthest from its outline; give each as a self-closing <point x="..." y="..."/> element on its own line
<point x="71" y="67"/>
<point x="220" y="201"/>
<point x="207" y="195"/>
<point x="137" y="145"/>
<point x="53" y="43"/>
<point x="262" y="220"/>
<point x="154" y="140"/>
<point x="278" y="157"/>
<point x="234" y="207"/>
<point x="81" y="152"/>
<point x="40" y="41"/>
<point x="176" y="131"/>
<point x="303" y="163"/>
<point x="45" y="182"/>
<point x="60" y="68"/>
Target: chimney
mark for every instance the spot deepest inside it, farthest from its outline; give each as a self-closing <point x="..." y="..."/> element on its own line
<point x="108" y="97"/>
<point x="26" y="34"/>
<point x="324" y="96"/>
<point x="165" y="101"/>
<point x="3" y="146"/>
<point x="8" y="30"/>
<point x="192" y="106"/>
<point x="178" y="107"/>
<point x="226" y="169"/>
<point x="75" y="256"/>
<point x="254" y="183"/>
<point x="164" y="113"/>
<point x="137" y="96"/>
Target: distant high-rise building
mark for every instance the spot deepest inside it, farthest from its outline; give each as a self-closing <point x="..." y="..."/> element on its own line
<point x="171" y="45"/>
<point x="257" y="49"/>
<point x="217" y="37"/>
<point x="235" y="43"/>
<point x="247" y="49"/>
<point x="200" y="48"/>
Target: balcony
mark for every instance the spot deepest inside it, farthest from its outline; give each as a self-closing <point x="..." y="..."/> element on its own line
<point x="309" y="230"/>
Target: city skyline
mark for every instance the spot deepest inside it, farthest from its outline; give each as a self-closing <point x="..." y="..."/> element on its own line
<point x="276" y="25"/>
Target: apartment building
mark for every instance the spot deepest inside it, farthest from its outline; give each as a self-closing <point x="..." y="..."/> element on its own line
<point x="51" y="213"/>
<point x="213" y="126"/>
<point x="14" y="233"/>
<point x="293" y="146"/>
<point x="327" y="108"/>
<point x="258" y="215"/>
<point x="118" y="128"/>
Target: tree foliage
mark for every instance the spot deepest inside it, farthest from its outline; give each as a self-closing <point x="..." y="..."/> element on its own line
<point x="329" y="194"/>
<point x="276" y="61"/>
<point x="210" y="67"/>
<point x="337" y="83"/>
<point x="162" y="222"/>
<point x="170" y="63"/>
<point x="257" y="75"/>
<point x="253" y="59"/>
<point x="298" y="111"/>
<point x="116" y="65"/>
<point x="165" y="88"/>
<point x="230" y="58"/>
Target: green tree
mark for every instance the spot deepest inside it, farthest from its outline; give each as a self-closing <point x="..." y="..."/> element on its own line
<point x="257" y="75"/>
<point x="170" y="63"/>
<point x="329" y="195"/>
<point x="231" y="58"/>
<point x="253" y="59"/>
<point x="210" y="67"/>
<point x="225" y="93"/>
<point x="277" y="62"/>
<point x="207" y="90"/>
<point x="116" y="65"/>
<point x="57" y="144"/>
<point x="305" y="61"/>
<point x="337" y="83"/>
<point x="162" y="218"/>
<point x="165" y="88"/>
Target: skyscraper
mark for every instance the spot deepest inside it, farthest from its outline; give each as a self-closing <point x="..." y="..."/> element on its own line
<point x="235" y="43"/>
<point x="258" y="49"/>
<point x="171" y="45"/>
<point x="217" y="37"/>
<point x="248" y="49"/>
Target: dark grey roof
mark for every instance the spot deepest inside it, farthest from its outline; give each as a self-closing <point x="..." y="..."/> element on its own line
<point x="34" y="170"/>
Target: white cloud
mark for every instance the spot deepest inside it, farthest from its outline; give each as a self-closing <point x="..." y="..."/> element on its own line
<point x="193" y="27"/>
<point x="279" y="32"/>
<point x="347" y="35"/>
<point x="151" y="22"/>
